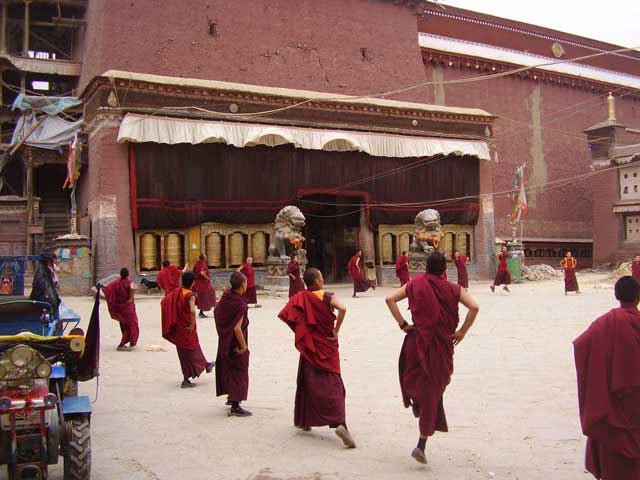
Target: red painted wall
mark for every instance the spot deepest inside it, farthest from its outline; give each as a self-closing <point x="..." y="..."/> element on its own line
<point x="607" y="232"/>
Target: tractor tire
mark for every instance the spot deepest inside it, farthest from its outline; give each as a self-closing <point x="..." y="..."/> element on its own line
<point x="77" y="459"/>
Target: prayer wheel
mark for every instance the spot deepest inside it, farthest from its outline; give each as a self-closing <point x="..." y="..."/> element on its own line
<point x="174" y="250"/>
<point x="259" y="247"/>
<point x="387" y="248"/>
<point x="149" y="258"/>
<point x="404" y="242"/>
<point x="213" y="246"/>
<point x="236" y="249"/>
<point x="462" y="244"/>
<point x="449" y="239"/>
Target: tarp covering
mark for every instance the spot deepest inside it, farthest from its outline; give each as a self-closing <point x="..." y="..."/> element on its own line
<point x="173" y="131"/>
<point x="48" y="105"/>
<point x="52" y="133"/>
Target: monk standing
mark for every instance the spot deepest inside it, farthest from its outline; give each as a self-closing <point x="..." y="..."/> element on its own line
<point x="607" y="363"/>
<point x="635" y="268"/>
<point x="232" y="361"/>
<point x="402" y="269"/>
<point x="460" y="262"/>
<point x="426" y="358"/>
<point x="569" y="265"/>
<point x="355" y="267"/>
<point x="205" y="293"/>
<point x="247" y="270"/>
<point x="120" y="301"/>
<point x="169" y="277"/>
<point x="503" y="277"/>
<point x="320" y="393"/>
<point x="295" y="282"/>
<point x="180" y="328"/>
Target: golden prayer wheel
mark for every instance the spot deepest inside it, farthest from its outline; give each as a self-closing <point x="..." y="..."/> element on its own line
<point x="259" y="247"/>
<point x="149" y="252"/>
<point x="174" y="248"/>
<point x="404" y="242"/>
<point x="449" y="241"/>
<point x="213" y="247"/>
<point x="387" y="248"/>
<point x="236" y="249"/>
<point x="463" y="243"/>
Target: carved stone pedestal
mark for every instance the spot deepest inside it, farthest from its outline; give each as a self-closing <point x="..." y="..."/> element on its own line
<point x="418" y="262"/>
<point x="277" y="279"/>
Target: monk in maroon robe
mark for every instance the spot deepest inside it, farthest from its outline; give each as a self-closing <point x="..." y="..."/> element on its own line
<point x="169" y="277"/>
<point x="180" y="328"/>
<point x="120" y="300"/>
<point x="607" y="357"/>
<point x="232" y="361"/>
<point x="247" y="270"/>
<point x="320" y="393"/>
<point x="205" y="293"/>
<point x="295" y="282"/>
<point x="426" y="358"/>
<point x="503" y="277"/>
<point x="569" y="265"/>
<point x="460" y="262"/>
<point x="635" y="268"/>
<point x="355" y="267"/>
<point x="402" y="269"/>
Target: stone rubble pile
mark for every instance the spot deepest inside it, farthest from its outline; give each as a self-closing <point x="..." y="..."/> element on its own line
<point x="621" y="271"/>
<point x="540" y="272"/>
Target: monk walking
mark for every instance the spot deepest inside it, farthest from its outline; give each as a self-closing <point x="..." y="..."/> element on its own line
<point x="320" y="393"/>
<point x="205" y="293"/>
<point x="635" y="268"/>
<point x="232" y="361"/>
<point x="355" y="267"/>
<point x="426" y="358"/>
<point x="402" y="269"/>
<point x="460" y="262"/>
<point x="120" y="301"/>
<point x="247" y="270"/>
<point x="503" y="277"/>
<point x="569" y="265"/>
<point x="607" y="363"/>
<point x="295" y="282"/>
<point x="169" y="277"/>
<point x="180" y="328"/>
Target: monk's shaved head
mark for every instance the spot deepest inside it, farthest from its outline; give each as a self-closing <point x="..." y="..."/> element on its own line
<point x="187" y="279"/>
<point x="236" y="280"/>
<point x="436" y="263"/>
<point x="311" y="275"/>
<point x="627" y="290"/>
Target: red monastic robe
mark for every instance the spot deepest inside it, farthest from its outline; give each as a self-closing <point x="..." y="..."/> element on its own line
<point x="320" y="393"/>
<point x="607" y="357"/>
<point x="503" y="277"/>
<point x="122" y="310"/>
<point x="232" y="370"/>
<point x="295" y="284"/>
<point x="250" y="293"/>
<point x="360" y="282"/>
<point x="205" y="293"/>
<point x="426" y="358"/>
<point x="402" y="269"/>
<point x="570" y="280"/>
<point x="461" y="267"/>
<point x="169" y="278"/>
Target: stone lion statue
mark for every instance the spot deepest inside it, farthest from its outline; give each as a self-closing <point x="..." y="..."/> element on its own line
<point x="288" y="238"/>
<point x="428" y="232"/>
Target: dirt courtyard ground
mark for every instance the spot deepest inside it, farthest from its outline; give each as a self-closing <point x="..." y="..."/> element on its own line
<point x="511" y="407"/>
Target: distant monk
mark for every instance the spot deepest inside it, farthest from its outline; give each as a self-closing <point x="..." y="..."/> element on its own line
<point x="635" y="268"/>
<point x="355" y="267"/>
<point x="169" y="277"/>
<point x="460" y="262"/>
<point x="608" y="366"/>
<point x="402" y="269"/>
<point x="180" y="328"/>
<point x="205" y="293"/>
<point x="232" y="361"/>
<point x="569" y="264"/>
<point x="295" y="282"/>
<point x="320" y="393"/>
<point x="503" y="277"/>
<point x="120" y="300"/>
<point x="247" y="270"/>
<point x="426" y="358"/>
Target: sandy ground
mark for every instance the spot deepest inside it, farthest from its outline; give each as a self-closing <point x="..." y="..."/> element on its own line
<point x="511" y="406"/>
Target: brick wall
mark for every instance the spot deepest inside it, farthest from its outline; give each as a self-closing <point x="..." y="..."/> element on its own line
<point x="607" y="227"/>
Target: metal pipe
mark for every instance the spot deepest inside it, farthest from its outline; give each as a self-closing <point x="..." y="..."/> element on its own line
<point x="3" y="28"/>
<point x="27" y="29"/>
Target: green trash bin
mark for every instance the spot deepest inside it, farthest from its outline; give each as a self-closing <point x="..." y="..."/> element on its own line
<point x="514" y="265"/>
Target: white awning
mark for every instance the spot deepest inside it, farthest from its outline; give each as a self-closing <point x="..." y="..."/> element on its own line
<point x="171" y="131"/>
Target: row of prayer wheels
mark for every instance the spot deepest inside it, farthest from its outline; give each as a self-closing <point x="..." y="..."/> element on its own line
<point x="404" y="240"/>
<point x="150" y="250"/>
<point x="452" y="242"/>
<point x="238" y="251"/>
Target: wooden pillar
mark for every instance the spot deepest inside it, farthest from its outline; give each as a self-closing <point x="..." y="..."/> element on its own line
<point x="28" y="162"/>
<point x="27" y="28"/>
<point x="3" y="28"/>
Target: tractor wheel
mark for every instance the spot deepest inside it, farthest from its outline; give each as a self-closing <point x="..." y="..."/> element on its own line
<point x="77" y="459"/>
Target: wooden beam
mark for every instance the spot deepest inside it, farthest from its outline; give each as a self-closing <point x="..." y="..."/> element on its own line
<point x="67" y="3"/>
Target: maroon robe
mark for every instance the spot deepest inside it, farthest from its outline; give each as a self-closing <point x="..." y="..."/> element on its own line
<point x="426" y="358"/>
<point x="250" y="294"/>
<point x="205" y="293"/>
<point x="402" y="269"/>
<point x="360" y="282"/>
<point x="607" y="357"/>
<point x="122" y="310"/>
<point x="320" y="393"/>
<point x="295" y="284"/>
<point x="635" y="270"/>
<point x="176" y="316"/>
<point x="461" y="267"/>
<point x="169" y="279"/>
<point x="570" y="280"/>
<point x="503" y="277"/>
<point x="232" y="370"/>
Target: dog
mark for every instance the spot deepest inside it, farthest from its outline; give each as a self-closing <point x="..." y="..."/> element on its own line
<point x="150" y="285"/>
